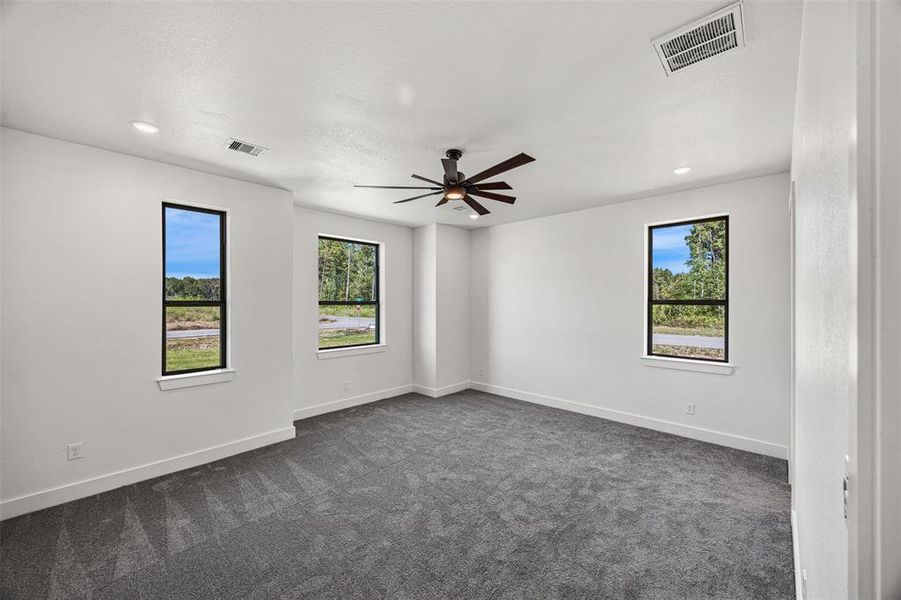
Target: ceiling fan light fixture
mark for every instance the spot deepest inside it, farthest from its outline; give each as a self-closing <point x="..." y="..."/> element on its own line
<point x="455" y="193"/>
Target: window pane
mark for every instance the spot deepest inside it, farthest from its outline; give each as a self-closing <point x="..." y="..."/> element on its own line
<point x="346" y="325"/>
<point x="192" y="255"/>
<point x="689" y="331"/>
<point x="347" y="271"/>
<point x="689" y="261"/>
<point x="192" y="338"/>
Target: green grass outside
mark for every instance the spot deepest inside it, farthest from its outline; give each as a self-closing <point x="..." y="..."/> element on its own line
<point x="192" y="353"/>
<point x="330" y="338"/>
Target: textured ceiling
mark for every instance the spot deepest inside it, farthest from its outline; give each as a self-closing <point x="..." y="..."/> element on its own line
<point x="345" y="93"/>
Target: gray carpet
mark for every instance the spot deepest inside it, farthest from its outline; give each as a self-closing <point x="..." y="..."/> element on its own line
<point x="467" y="496"/>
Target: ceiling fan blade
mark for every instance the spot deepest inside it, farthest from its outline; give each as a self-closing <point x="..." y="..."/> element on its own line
<point x="426" y="179"/>
<point x="475" y="205"/>
<point x="418" y="197"/>
<point x="491" y="196"/>
<point x="511" y="163"/>
<point x="398" y="187"/>
<point x="495" y="185"/>
<point x="442" y="201"/>
<point x="450" y="169"/>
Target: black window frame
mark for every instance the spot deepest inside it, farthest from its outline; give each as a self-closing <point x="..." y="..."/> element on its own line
<point x="652" y="302"/>
<point x="222" y="303"/>
<point x="378" y="292"/>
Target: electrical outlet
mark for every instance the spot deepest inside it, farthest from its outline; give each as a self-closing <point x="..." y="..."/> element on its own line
<point x="803" y="583"/>
<point x="481" y="371"/>
<point x="74" y="451"/>
<point x="346" y="386"/>
<point x="689" y="408"/>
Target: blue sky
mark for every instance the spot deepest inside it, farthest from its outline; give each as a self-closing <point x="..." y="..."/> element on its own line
<point x="670" y="249"/>
<point x="192" y="243"/>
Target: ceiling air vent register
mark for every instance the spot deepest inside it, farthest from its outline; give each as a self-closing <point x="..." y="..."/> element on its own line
<point x="239" y="146"/>
<point x="714" y="34"/>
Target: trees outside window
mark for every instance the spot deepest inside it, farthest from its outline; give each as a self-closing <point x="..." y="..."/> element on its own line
<point x="688" y="289"/>
<point x="349" y="307"/>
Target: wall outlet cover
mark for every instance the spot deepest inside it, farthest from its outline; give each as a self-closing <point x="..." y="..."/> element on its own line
<point x="74" y="451"/>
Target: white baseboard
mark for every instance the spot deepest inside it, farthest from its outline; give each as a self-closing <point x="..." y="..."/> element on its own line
<point x="442" y="391"/>
<point x="796" y="550"/>
<point x="327" y="407"/>
<point x="103" y="483"/>
<point x="696" y="433"/>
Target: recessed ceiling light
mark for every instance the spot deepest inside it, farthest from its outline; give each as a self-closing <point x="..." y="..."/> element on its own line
<point x="145" y="127"/>
<point x="473" y="216"/>
<point x="681" y="170"/>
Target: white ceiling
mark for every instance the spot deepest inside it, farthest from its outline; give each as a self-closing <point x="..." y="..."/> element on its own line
<point x="345" y="93"/>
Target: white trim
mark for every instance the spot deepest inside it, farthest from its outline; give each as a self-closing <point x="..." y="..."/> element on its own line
<point x="103" y="483"/>
<point x="796" y="551"/>
<point x="717" y="215"/>
<point x="687" y="364"/>
<point x="174" y="382"/>
<point x="696" y="433"/>
<point x="442" y="391"/>
<point x="327" y="407"/>
<point x="354" y="351"/>
<point x="792" y="344"/>
<point x="348" y="238"/>
<point x="202" y="205"/>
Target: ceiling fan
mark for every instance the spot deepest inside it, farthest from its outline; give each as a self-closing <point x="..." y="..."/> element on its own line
<point x="456" y="186"/>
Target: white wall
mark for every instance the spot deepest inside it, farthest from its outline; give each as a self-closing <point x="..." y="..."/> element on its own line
<point x="845" y="167"/>
<point x="887" y="66"/>
<point x="825" y="281"/>
<point x="441" y="315"/>
<point x="81" y="310"/>
<point x="558" y="314"/>
<point x="319" y="383"/>
<point x="425" y="306"/>
<point x="452" y="266"/>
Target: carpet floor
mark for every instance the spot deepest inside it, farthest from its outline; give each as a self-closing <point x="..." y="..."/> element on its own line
<point x="468" y="496"/>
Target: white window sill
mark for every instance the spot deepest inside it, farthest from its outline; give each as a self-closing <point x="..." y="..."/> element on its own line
<point x="174" y="382"/>
<point x="687" y="364"/>
<point x="340" y="352"/>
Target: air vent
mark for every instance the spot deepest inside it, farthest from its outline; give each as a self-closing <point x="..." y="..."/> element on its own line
<point x="714" y="34"/>
<point x="239" y="146"/>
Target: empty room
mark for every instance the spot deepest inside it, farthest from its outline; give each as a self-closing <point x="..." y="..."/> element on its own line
<point x="450" y="300"/>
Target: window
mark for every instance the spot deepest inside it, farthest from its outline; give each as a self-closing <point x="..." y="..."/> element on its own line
<point x="193" y="289"/>
<point x="348" y="293"/>
<point x="688" y="289"/>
